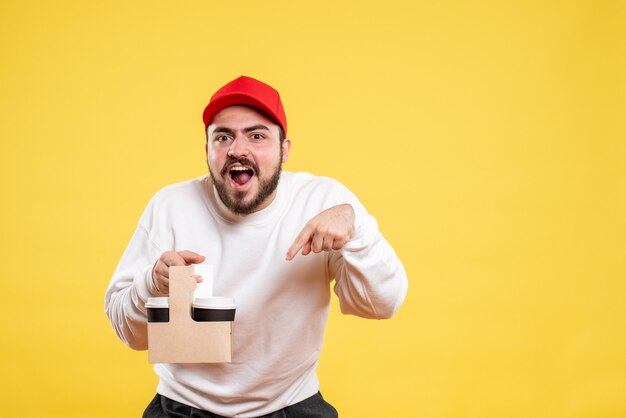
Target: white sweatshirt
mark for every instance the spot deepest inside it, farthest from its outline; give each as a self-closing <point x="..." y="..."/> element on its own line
<point x="282" y="306"/>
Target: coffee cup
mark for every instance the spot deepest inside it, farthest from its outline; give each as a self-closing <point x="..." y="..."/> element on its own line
<point x="216" y="308"/>
<point x="158" y="309"/>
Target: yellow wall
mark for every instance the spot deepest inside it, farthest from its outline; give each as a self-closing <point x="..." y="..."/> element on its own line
<point x="487" y="137"/>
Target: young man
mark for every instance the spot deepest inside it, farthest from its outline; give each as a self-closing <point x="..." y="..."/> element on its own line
<point x="276" y="240"/>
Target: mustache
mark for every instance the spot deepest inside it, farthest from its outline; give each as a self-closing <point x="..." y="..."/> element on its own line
<point x="241" y="160"/>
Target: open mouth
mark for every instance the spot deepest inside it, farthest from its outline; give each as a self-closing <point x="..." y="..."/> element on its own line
<point x="240" y="174"/>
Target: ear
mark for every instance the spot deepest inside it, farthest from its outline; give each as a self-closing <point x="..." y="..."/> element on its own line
<point x="286" y="147"/>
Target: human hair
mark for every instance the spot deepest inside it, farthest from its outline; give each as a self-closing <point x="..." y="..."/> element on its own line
<point x="281" y="134"/>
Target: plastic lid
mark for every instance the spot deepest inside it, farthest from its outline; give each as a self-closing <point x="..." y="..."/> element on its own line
<point x="160" y="302"/>
<point x="215" y="302"/>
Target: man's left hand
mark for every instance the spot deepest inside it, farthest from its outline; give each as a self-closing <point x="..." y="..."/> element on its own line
<point x="329" y="230"/>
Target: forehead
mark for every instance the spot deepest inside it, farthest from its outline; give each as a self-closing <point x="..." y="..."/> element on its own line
<point x="240" y="117"/>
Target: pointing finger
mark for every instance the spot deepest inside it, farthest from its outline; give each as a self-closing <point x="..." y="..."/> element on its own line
<point x="303" y="237"/>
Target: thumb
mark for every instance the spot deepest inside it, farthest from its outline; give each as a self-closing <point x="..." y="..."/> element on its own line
<point x="191" y="258"/>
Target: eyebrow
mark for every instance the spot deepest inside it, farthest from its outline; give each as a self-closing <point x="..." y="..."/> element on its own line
<point x="223" y="129"/>
<point x="256" y="128"/>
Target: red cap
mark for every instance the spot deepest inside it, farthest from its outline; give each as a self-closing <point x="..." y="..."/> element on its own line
<point x="249" y="92"/>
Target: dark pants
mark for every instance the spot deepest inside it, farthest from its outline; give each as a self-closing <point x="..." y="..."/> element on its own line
<point x="313" y="407"/>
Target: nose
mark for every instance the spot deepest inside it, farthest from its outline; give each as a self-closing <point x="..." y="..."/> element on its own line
<point x="238" y="148"/>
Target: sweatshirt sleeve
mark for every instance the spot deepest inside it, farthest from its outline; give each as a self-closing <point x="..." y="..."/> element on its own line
<point x="130" y="288"/>
<point x="370" y="280"/>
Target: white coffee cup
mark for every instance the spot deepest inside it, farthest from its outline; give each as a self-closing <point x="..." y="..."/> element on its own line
<point x="158" y="309"/>
<point x="215" y="308"/>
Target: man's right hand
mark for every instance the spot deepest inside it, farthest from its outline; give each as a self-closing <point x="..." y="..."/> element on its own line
<point x="161" y="270"/>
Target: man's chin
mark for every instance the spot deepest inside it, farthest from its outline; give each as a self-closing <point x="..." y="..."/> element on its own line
<point x="241" y="199"/>
<point x="240" y="202"/>
<point x="244" y="201"/>
<point x="242" y="207"/>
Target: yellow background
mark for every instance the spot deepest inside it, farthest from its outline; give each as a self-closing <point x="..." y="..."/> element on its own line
<point x="487" y="137"/>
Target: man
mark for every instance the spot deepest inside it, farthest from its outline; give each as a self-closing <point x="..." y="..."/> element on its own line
<point x="275" y="240"/>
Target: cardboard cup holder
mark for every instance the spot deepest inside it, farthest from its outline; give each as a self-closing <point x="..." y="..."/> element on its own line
<point x="174" y="336"/>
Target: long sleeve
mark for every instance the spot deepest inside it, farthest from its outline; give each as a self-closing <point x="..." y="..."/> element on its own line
<point x="129" y="290"/>
<point x="370" y="280"/>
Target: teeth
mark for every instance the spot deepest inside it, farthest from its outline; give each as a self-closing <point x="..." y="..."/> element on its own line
<point x="239" y="168"/>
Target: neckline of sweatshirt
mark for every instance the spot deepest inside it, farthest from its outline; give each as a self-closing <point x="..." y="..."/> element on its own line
<point x="264" y="216"/>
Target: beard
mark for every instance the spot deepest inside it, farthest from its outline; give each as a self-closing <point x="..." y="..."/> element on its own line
<point x="237" y="203"/>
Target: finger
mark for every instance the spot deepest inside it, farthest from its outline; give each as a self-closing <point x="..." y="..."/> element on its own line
<point x="162" y="285"/>
<point x="327" y="243"/>
<point x="172" y="258"/>
<point x="317" y="243"/>
<point x="306" y="249"/>
<point x="302" y="238"/>
<point x="190" y="257"/>
<point x="160" y="269"/>
<point x="197" y="278"/>
<point x="160" y="273"/>
<point x="293" y="250"/>
<point x="338" y="244"/>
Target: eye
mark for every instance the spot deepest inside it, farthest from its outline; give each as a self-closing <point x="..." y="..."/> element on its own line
<point x="222" y="138"/>
<point x="257" y="137"/>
